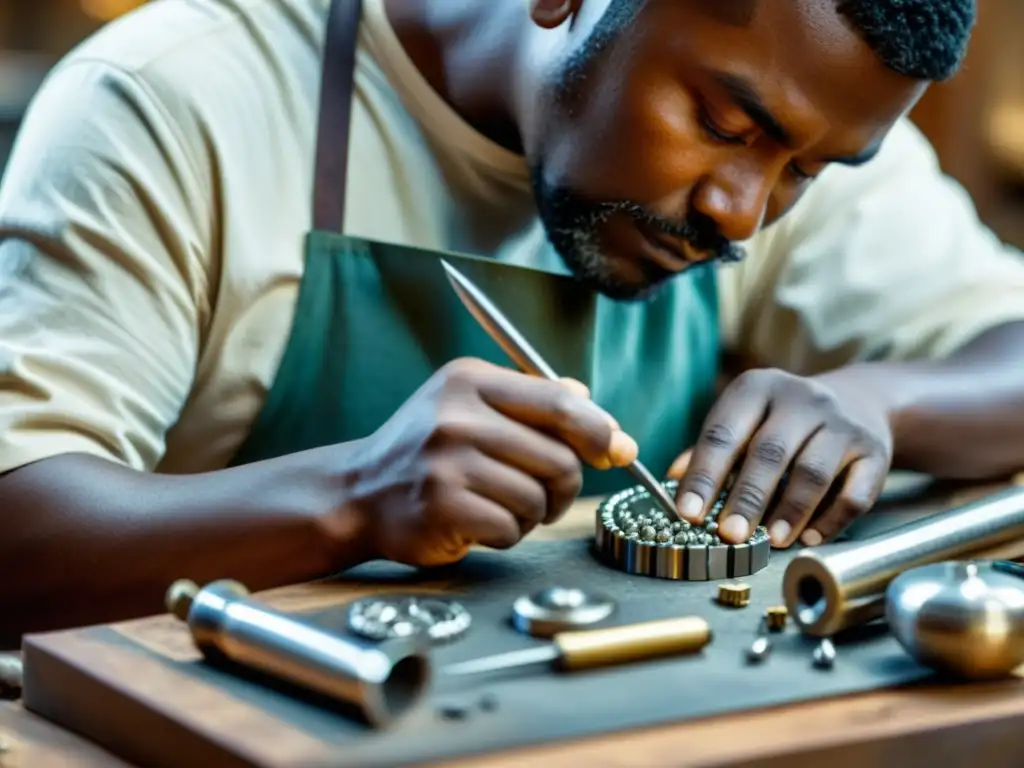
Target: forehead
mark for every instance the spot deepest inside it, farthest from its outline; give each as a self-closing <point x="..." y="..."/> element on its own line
<point x="802" y="57"/>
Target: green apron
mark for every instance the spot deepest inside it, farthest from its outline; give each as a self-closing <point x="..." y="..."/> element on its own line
<point x="374" y="321"/>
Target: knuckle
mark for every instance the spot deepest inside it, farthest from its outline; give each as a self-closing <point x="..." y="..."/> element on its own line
<point x="793" y="509"/>
<point x="701" y="482"/>
<point x="771" y="451"/>
<point x="822" y="398"/>
<point x="462" y="370"/>
<point x="813" y="474"/>
<point x="849" y="507"/>
<point x="748" y="499"/>
<point x="448" y="431"/>
<point x="719" y="436"/>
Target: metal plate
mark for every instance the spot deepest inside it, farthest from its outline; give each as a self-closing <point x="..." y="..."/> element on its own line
<point x="634" y="537"/>
<point x="557" y="609"/>
<point x="393" y="617"/>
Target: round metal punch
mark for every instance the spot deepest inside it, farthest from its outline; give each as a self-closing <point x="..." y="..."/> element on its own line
<point x="634" y="536"/>
<point x="557" y="609"/>
<point x="392" y="617"/>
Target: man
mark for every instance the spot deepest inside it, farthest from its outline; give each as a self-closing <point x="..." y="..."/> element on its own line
<point x="185" y="392"/>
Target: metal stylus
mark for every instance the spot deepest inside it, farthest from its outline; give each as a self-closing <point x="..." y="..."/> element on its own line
<point x="529" y="360"/>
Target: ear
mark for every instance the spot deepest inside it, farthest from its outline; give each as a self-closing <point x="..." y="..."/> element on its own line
<point x="553" y="13"/>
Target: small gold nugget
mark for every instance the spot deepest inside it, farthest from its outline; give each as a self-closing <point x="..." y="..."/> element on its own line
<point x="734" y="595"/>
<point x="775" y="618"/>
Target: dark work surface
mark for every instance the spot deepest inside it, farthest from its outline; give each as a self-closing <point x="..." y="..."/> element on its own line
<point x="552" y="707"/>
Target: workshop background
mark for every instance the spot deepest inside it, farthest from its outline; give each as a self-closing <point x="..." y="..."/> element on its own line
<point x="976" y="121"/>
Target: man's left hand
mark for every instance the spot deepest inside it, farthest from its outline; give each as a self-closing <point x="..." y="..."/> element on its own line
<point x="829" y="435"/>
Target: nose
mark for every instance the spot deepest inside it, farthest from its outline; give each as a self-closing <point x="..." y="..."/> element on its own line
<point x="736" y="198"/>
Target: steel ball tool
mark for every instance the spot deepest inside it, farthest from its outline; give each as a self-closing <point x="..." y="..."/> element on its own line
<point x="508" y="337"/>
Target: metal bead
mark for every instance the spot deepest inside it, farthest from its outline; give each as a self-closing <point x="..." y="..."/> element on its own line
<point x="711" y="526"/>
<point x="631" y="528"/>
<point x="648" y="533"/>
<point x="824" y="654"/>
<point x="681" y="539"/>
<point x="715" y="541"/>
<point x="663" y="536"/>
<point x="643" y="520"/>
<point x="759" y="650"/>
<point x="677" y="526"/>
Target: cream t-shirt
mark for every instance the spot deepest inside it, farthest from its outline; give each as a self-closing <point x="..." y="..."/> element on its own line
<point x="153" y="212"/>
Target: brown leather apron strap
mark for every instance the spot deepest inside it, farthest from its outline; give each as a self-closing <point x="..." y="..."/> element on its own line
<point x="337" y="89"/>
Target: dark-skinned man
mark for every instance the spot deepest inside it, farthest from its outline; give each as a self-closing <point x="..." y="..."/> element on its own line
<point x="202" y="377"/>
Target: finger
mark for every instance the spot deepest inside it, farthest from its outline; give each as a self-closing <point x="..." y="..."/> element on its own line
<point x="863" y="484"/>
<point x="482" y="521"/>
<point x="522" y="448"/>
<point x="769" y="453"/>
<point x="678" y="468"/>
<point x="520" y="494"/>
<point x="722" y="440"/>
<point x="811" y="476"/>
<point x="552" y="407"/>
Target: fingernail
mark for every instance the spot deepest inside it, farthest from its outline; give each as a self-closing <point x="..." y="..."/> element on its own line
<point x="691" y="506"/>
<point x="811" y="538"/>
<point x="735" y="529"/>
<point x="622" y="450"/>
<point x="780" y="533"/>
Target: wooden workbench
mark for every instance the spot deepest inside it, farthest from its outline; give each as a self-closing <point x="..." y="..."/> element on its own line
<point x="948" y="726"/>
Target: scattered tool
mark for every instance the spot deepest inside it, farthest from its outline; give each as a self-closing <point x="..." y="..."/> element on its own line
<point x="507" y="336"/>
<point x="380" y="682"/>
<point x="759" y="650"/>
<point x="734" y="595"/>
<point x="965" y="619"/>
<point x="392" y="617"/>
<point x="824" y="656"/>
<point x="775" y="618"/>
<point x="557" y="609"/>
<point x="596" y="648"/>
<point x="837" y="586"/>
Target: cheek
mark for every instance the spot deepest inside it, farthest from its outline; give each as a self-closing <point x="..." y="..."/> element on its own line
<point x="631" y="137"/>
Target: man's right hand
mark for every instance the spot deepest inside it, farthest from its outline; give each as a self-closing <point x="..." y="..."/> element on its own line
<point x="478" y="455"/>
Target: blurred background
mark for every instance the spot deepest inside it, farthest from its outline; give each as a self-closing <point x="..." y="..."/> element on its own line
<point x="975" y="121"/>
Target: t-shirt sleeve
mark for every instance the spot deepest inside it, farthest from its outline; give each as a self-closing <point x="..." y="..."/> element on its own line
<point x="104" y="227"/>
<point x="888" y="261"/>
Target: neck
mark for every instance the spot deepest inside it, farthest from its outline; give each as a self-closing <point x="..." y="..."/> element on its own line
<point x="468" y="52"/>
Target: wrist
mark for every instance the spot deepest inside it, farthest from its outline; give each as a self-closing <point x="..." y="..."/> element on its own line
<point x="343" y="523"/>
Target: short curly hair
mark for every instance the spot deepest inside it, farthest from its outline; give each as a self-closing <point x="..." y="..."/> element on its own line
<point x="922" y="39"/>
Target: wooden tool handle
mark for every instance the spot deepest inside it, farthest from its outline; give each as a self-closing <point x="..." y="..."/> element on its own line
<point x="632" y="642"/>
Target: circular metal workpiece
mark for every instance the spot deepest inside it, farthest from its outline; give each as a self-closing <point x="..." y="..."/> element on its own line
<point x="557" y="609"/>
<point x="402" y="616"/>
<point x="634" y="536"/>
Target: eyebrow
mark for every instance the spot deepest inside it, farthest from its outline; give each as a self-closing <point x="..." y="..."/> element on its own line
<point x="743" y="93"/>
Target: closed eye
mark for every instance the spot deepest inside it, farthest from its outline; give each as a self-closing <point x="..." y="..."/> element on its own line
<point x="716" y="132"/>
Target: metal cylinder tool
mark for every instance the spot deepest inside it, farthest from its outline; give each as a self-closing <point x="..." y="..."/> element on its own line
<point x="842" y="585"/>
<point x="380" y="682"/>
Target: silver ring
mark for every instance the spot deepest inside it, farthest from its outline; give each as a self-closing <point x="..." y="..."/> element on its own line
<point x="633" y="536"/>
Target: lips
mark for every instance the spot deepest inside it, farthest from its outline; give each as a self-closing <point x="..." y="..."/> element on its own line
<point x="671" y="253"/>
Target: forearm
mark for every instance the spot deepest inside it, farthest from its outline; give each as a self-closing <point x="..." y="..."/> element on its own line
<point x="959" y="418"/>
<point x="86" y="540"/>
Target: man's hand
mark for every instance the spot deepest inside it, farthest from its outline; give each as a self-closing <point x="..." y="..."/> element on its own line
<point x="479" y="455"/>
<point x="829" y="438"/>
